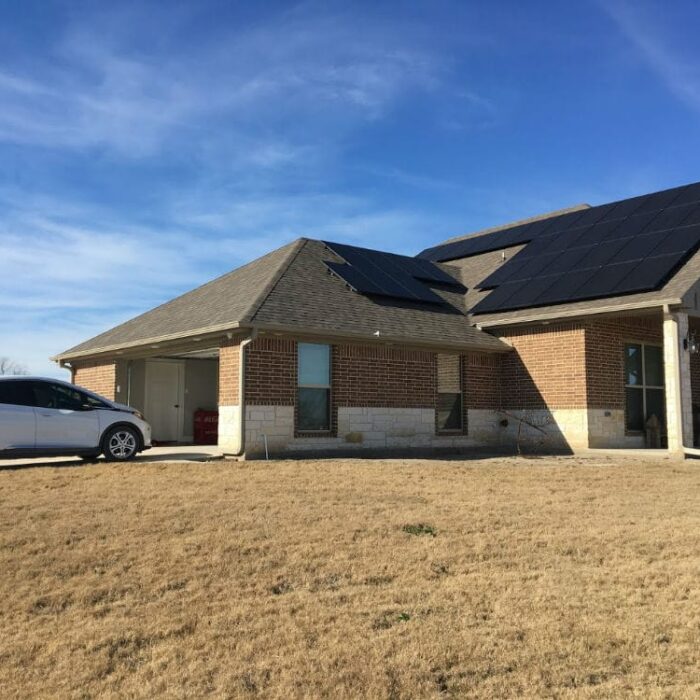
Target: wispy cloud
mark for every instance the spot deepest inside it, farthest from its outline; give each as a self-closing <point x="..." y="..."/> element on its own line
<point x="234" y="144"/>
<point x="678" y="70"/>
<point x="65" y="277"/>
<point x="91" y="93"/>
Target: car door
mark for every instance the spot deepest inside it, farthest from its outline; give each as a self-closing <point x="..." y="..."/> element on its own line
<point x="17" y="418"/>
<point x="64" y="418"/>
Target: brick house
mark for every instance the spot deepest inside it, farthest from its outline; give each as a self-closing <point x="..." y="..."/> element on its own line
<point x="570" y="330"/>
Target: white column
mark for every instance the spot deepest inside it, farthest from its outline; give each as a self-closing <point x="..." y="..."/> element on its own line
<point x="679" y="409"/>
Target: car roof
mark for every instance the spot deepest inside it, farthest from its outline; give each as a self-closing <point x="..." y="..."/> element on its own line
<point x="25" y="377"/>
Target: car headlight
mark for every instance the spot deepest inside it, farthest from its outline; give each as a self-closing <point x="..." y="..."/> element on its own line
<point x="139" y="415"/>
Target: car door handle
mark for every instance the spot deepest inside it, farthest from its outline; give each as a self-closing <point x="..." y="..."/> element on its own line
<point x="47" y="415"/>
<point x="177" y="405"/>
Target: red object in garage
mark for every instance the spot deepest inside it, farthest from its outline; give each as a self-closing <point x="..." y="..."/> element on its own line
<point x="206" y="427"/>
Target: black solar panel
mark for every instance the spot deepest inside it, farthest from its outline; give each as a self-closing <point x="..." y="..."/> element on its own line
<point x="654" y="271"/>
<point x="603" y="280"/>
<point x="629" y="246"/>
<point x="565" y="286"/>
<point x="500" y="296"/>
<point x="354" y="278"/>
<point x="375" y="273"/>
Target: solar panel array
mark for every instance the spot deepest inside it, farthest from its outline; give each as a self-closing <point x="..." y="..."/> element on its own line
<point x="629" y="246"/>
<point x="375" y="273"/>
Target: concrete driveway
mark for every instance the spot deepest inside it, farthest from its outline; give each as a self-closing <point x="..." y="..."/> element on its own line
<point x="170" y="453"/>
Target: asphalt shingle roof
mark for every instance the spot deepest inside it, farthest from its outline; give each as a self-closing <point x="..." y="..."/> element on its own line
<point x="221" y="303"/>
<point x="293" y="290"/>
<point x="308" y="296"/>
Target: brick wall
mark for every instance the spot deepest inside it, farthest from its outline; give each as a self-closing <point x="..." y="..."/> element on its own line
<point x="229" y="361"/>
<point x="571" y="365"/>
<point x="271" y="372"/>
<point x="547" y="369"/>
<point x="605" y="354"/>
<point x="481" y="380"/>
<point x="98" y="377"/>
<point x="374" y="376"/>
<point x="361" y="375"/>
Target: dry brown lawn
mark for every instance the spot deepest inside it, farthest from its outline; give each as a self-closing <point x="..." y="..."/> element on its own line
<point x="563" y="577"/>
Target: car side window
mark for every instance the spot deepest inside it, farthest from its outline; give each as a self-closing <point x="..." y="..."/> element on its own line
<point x="16" y="392"/>
<point x="57" y="396"/>
<point x="91" y="401"/>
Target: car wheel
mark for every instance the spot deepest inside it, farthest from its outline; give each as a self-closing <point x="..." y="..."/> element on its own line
<point x="121" y="444"/>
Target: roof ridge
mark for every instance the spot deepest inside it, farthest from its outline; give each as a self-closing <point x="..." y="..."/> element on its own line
<point x="519" y="222"/>
<point x="294" y="250"/>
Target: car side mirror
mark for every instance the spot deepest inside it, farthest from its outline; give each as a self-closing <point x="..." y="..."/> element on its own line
<point x="87" y="407"/>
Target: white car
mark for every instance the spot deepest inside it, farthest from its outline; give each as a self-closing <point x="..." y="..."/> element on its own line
<point x="51" y="418"/>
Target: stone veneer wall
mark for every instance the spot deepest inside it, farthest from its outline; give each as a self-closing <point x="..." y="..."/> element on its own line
<point x="369" y="428"/>
<point x="543" y="384"/>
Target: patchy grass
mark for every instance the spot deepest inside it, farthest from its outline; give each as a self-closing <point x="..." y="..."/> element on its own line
<point x="420" y="529"/>
<point x="548" y="578"/>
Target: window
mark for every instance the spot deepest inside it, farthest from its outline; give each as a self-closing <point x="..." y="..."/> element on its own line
<point x="16" y="392"/>
<point x="644" y="385"/>
<point x="313" y="387"/>
<point x="449" y="399"/>
<point x="59" y="396"/>
<point x="93" y="401"/>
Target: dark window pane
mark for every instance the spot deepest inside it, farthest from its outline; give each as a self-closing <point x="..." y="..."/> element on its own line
<point x="653" y="365"/>
<point x="449" y="412"/>
<point x="68" y="399"/>
<point x="43" y="396"/>
<point x="92" y="401"/>
<point x="634" y="414"/>
<point x="656" y="405"/>
<point x="56" y="396"/>
<point x="633" y="364"/>
<point x="16" y="393"/>
<point x="313" y="409"/>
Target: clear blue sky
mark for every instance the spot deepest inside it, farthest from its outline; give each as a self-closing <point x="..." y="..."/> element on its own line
<point x="148" y="147"/>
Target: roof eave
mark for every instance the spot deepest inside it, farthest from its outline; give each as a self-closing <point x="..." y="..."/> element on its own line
<point x="593" y="311"/>
<point x="157" y="340"/>
<point x="304" y="331"/>
<point x="494" y="344"/>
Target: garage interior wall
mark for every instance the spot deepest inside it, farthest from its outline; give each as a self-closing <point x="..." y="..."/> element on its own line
<point x="201" y="389"/>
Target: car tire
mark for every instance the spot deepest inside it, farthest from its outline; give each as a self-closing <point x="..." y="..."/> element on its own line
<point x="121" y="443"/>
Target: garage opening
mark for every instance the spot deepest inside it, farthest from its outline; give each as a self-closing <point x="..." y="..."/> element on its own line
<point x="178" y="395"/>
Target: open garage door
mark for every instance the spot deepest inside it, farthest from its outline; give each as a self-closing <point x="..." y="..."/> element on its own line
<point x="172" y="390"/>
